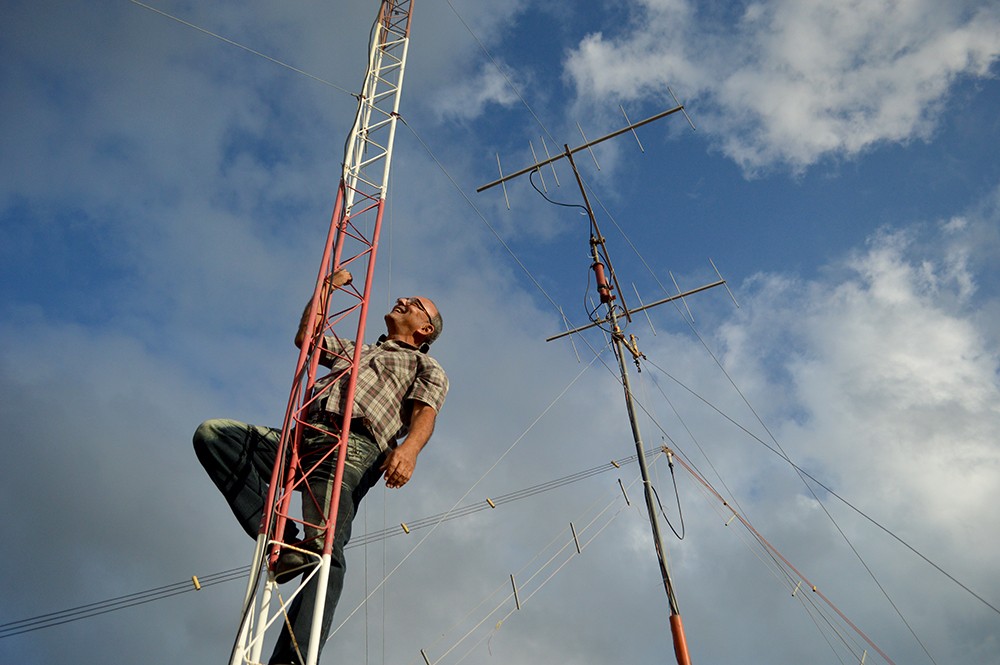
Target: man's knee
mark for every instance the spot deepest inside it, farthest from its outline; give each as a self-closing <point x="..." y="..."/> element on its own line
<point x="205" y="434"/>
<point x="209" y="435"/>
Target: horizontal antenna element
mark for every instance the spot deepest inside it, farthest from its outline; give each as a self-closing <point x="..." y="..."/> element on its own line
<point x="640" y="309"/>
<point x="502" y="180"/>
<point x="585" y="146"/>
<point x="627" y="121"/>
<point x="593" y="156"/>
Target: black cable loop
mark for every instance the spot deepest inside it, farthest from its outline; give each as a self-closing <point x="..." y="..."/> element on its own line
<point x="591" y="312"/>
<point x="677" y="497"/>
<point x="542" y="194"/>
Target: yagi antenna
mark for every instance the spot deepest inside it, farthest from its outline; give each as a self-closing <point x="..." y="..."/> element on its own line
<point x="585" y="146"/>
<point x="612" y="298"/>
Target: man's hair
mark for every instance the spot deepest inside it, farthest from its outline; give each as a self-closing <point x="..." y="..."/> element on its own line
<point x="438" y="324"/>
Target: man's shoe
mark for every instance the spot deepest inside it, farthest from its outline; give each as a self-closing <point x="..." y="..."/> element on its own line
<point x="291" y="563"/>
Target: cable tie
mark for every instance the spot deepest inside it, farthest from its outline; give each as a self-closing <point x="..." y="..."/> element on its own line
<point x="490" y="501"/>
<point x="406" y="529"/>
<point x="197" y="584"/>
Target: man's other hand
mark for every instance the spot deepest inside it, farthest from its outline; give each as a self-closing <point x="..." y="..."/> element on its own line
<point x="398" y="467"/>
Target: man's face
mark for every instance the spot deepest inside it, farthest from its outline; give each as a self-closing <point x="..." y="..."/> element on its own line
<point x="410" y="315"/>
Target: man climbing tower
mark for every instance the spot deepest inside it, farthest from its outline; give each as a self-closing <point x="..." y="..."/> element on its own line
<point x="399" y="391"/>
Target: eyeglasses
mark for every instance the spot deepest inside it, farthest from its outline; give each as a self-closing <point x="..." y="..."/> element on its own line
<point x="419" y="305"/>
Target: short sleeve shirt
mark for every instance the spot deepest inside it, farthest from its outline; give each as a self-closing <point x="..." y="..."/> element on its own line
<point x="391" y="375"/>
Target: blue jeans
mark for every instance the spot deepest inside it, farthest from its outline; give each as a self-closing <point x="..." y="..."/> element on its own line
<point x="239" y="459"/>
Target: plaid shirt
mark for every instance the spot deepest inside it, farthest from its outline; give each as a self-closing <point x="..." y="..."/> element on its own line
<point x="391" y="375"/>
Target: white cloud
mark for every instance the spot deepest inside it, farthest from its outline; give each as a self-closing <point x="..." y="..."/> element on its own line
<point x="881" y="378"/>
<point x="896" y="375"/>
<point x="795" y="82"/>
<point x="468" y="97"/>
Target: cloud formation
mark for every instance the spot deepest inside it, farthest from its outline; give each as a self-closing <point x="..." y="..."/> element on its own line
<point x="790" y="83"/>
<point x="162" y="199"/>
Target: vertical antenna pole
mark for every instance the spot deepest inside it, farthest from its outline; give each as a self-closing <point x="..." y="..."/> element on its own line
<point x="676" y="627"/>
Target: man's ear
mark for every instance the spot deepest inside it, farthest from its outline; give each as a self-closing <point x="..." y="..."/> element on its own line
<point x="426" y="331"/>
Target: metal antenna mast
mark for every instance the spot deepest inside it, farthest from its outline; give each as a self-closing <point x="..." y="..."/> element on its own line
<point x="352" y="243"/>
<point x="605" y="289"/>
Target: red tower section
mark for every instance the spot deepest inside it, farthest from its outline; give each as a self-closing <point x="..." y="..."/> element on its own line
<point x="351" y="244"/>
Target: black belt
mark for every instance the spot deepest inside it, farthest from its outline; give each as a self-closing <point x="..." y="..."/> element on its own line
<point x="332" y="420"/>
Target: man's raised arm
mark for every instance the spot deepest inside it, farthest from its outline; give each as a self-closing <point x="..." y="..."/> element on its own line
<point x="337" y="280"/>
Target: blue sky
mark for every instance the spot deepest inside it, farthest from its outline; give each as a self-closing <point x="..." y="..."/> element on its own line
<point x="163" y="198"/>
